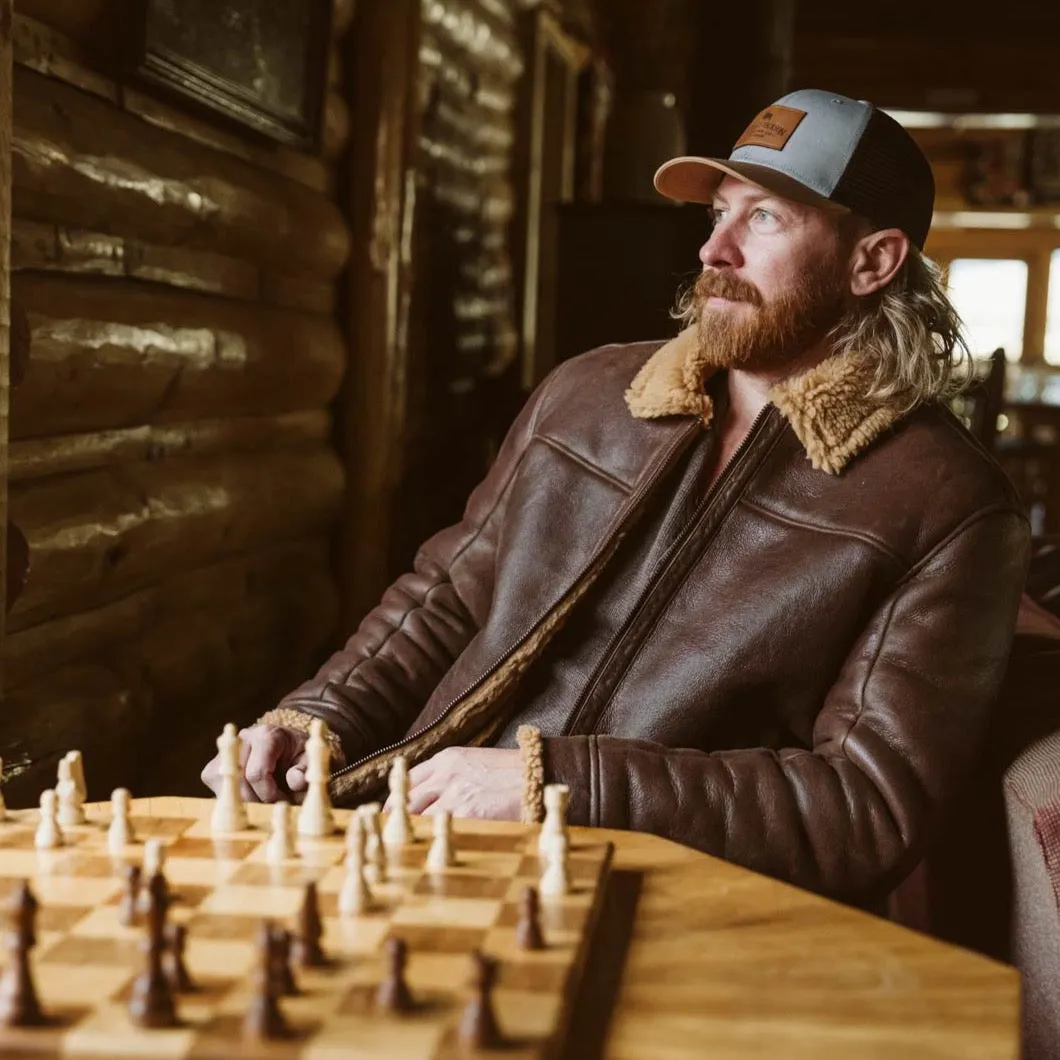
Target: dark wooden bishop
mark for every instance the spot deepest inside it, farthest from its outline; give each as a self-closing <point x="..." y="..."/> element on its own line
<point x="528" y="929"/>
<point x="152" y="1003"/>
<point x="19" y="1006"/>
<point x="264" y="1021"/>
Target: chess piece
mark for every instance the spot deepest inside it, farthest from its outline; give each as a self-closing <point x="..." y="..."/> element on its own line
<point x="315" y="819"/>
<point x="152" y="1003"/>
<point x="19" y="1006"/>
<point x="283" y="978"/>
<point x="375" y="848"/>
<point x="49" y="835"/>
<point x="398" y="830"/>
<point x="555" y="880"/>
<point x="478" y="1023"/>
<point x="440" y="856"/>
<point x="557" y="798"/>
<point x="355" y="897"/>
<point x="71" y="805"/>
<point x="229" y="813"/>
<point x="77" y="771"/>
<point x="154" y="861"/>
<point x="120" y="832"/>
<point x="393" y="993"/>
<point x="3" y="805"/>
<point x="175" y="969"/>
<point x="129" y="905"/>
<point x="528" y="929"/>
<point x="306" y="948"/>
<point x="280" y="846"/>
<point x="264" y="1021"/>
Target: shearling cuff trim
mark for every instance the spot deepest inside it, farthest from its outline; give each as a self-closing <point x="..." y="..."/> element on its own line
<point x="529" y="741"/>
<point x="298" y="720"/>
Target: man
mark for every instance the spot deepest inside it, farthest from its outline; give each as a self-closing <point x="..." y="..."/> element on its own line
<point x="752" y="589"/>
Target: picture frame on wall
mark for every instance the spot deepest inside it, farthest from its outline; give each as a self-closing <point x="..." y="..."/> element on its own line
<point x="259" y="63"/>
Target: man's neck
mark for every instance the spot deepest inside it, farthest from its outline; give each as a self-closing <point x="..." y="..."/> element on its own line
<point x="749" y="391"/>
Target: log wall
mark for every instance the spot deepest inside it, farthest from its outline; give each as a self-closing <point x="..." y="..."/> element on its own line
<point x="175" y="354"/>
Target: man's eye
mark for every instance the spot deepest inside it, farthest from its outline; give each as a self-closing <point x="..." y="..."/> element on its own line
<point x="716" y="214"/>
<point x="764" y="215"/>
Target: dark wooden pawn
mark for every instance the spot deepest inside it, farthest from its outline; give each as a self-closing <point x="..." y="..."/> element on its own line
<point x="152" y="1002"/>
<point x="283" y="977"/>
<point x="306" y="946"/>
<point x="528" y="929"/>
<point x="129" y="906"/>
<point x="393" y="994"/>
<point x="19" y="1006"/>
<point x="264" y="1021"/>
<point x="176" y="970"/>
<point x="478" y="1024"/>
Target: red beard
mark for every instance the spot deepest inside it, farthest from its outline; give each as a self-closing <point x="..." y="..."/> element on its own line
<point x="774" y="333"/>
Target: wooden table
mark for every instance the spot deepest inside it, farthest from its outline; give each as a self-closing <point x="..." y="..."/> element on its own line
<point x="694" y="957"/>
<point x="724" y="963"/>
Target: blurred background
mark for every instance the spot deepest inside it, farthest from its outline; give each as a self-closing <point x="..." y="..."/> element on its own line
<point x="282" y="273"/>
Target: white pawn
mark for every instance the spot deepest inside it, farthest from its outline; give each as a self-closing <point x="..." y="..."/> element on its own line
<point x="71" y="805"/>
<point x="49" y="835"/>
<point x="557" y="798"/>
<point x="315" y="820"/>
<point x="229" y="813"/>
<point x="355" y="896"/>
<point x="3" y="805"/>
<point x="398" y="829"/>
<point x="280" y="846"/>
<point x="555" y="880"/>
<point x="440" y="856"/>
<point x="77" y="770"/>
<point x="154" y="862"/>
<point x="120" y="832"/>
<point x="375" y="850"/>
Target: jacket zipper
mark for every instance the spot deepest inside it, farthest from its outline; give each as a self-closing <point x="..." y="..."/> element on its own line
<point x="675" y="550"/>
<point x="633" y="509"/>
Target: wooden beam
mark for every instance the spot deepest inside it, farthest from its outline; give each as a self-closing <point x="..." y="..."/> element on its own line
<point x="380" y="192"/>
<point x="6" y="17"/>
<point x="1037" y="307"/>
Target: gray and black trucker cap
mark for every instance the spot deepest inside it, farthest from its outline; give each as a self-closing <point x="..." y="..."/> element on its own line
<point x="823" y="149"/>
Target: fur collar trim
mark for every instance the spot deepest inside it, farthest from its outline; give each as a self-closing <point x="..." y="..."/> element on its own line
<point x="826" y="406"/>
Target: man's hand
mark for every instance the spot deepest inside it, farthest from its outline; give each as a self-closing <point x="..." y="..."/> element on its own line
<point x="469" y="782"/>
<point x="267" y="750"/>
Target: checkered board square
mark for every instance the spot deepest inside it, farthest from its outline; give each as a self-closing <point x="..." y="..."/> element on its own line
<point x="85" y="961"/>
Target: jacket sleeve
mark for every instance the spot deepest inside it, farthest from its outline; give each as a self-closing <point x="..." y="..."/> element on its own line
<point x="897" y="735"/>
<point x="371" y="691"/>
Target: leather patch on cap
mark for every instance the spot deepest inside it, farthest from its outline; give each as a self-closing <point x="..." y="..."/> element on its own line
<point x="772" y="128"/>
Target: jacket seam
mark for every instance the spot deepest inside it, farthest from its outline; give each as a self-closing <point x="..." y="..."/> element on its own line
<point x="594" y="783"/>
<point x="857" y="535"/>
<point x="592" y="468"/>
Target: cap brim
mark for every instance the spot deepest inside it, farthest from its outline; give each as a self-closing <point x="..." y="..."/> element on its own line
<point x="691" y="179"/>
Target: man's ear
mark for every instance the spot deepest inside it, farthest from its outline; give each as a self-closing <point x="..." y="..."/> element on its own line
<point x="876" y="259"/>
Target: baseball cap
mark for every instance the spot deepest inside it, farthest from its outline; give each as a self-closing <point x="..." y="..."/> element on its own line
<point x="823" y="149"/>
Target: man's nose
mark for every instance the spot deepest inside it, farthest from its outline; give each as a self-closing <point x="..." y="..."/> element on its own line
<point x="722" y="249"/>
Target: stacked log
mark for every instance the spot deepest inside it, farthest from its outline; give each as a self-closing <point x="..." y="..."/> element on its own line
<point x="176" y="351"/>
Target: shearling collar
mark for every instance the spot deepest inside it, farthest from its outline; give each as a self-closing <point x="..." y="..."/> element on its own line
<point x="827" y="406"/>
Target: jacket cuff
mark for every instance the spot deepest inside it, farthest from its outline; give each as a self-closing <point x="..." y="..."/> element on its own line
<point x="299" y="721"/>
<point x="528" y="740"/>
<point x="569" y="760"/>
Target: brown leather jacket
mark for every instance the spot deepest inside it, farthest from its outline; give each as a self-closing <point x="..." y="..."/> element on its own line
<point x="804" y="679"/>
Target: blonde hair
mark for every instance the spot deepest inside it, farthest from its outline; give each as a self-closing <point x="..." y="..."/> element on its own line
<point x="912" y="331"/>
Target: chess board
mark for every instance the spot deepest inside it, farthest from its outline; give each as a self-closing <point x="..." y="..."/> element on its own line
<point x="85" y="961"/>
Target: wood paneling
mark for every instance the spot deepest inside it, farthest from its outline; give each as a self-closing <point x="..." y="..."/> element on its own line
<point x="120" y="354"/>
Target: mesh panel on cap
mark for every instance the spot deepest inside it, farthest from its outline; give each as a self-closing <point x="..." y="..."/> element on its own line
<point x="888" y="179"/>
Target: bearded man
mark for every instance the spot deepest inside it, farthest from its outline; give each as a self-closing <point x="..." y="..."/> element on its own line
<point x="752" y="589"/>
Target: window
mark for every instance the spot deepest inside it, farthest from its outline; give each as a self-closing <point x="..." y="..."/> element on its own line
<point x="1052" y="315"/>
<point x="991" y="296"/>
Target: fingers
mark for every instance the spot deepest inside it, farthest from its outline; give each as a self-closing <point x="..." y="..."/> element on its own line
<point x="211" y="774"/>
<point x="426" y="796"/>
<point x="265" y="748"/>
